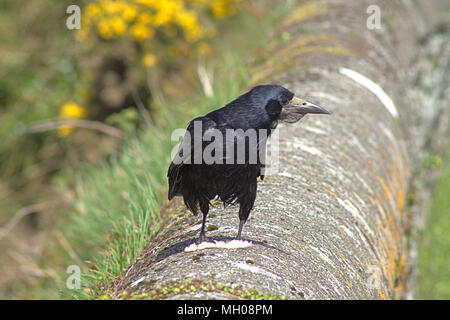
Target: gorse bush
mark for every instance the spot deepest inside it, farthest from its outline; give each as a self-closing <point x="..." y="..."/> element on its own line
<point x="161" y="28"/>
<point x="141" y="44"/>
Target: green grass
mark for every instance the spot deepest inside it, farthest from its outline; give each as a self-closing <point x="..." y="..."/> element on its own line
<point x="118" y="204"/>
<point x="434" y="249"/>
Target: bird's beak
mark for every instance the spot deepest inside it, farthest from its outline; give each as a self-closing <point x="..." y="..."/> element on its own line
<point x="297" y="108"/>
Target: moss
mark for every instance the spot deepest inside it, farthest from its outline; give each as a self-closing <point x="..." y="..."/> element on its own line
<point x="190" y="234"/>
<point x="178" y="210"/>
<point x="197" y="256"/>
<point x="192" y="285"/>
<point x="216" y="203"/>
<point x="211" y="227"/>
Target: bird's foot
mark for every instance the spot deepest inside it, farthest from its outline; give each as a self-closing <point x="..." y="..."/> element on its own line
<point x="201" y="238"/>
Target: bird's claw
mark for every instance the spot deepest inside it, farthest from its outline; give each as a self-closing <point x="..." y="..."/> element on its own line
<point x="201" y="238"/>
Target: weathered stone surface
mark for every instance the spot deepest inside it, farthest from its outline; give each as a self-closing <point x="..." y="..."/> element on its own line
<point x="333" y="222"/>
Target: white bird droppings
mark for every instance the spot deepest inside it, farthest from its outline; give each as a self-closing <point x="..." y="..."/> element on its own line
<point x="233" y="244"/>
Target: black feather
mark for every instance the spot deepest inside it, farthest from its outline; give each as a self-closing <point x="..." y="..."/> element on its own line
<point x="230" y="182"/>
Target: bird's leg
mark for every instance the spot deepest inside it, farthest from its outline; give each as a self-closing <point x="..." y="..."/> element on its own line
<point x="241" y="225"/>
<point x="246" y="205"/>
<point x="204" y="207"/>
<point x="244" y="212"/>
<point x="202" y="236"/>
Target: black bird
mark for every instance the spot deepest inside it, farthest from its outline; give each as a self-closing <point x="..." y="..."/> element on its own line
<point x="205" y="168"/>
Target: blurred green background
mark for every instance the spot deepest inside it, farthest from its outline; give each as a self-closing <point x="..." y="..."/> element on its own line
<point x="85" y="123"/>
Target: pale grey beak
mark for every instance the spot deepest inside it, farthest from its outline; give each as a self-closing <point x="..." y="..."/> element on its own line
<point x="297" y="108"/>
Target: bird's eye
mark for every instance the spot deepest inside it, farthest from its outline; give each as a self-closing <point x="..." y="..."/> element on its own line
<point x="284" y="101"/>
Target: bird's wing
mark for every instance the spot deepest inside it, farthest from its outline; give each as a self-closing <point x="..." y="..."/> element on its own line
<point x="187" y="150"/>
<point x="252" y="141"/>
<point x="209" y="142"/>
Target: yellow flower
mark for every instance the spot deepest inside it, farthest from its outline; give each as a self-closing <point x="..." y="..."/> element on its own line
<point x="142" y="32"/>
<point x="149" y="60"/>
<point x="70" y="110"/>
<point x="198" y="1"/>
<point x="119" y="26"/>
<point x="186" y="19"/>
<point x="104" y="29"/>
<point x="129" y="13"/>
<point x="165" y="11"/>
<point x="224" y="8"/>
<point x="193" y="34"/>
<point x="162" y="17"/>
<point x="191" y="28"/>
<point x="113" y="6"/>
<point x="92" y="10"/>
<point x="144" y="18"/>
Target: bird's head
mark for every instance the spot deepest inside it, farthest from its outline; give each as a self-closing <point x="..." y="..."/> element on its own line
<point x="281" y="104"/>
